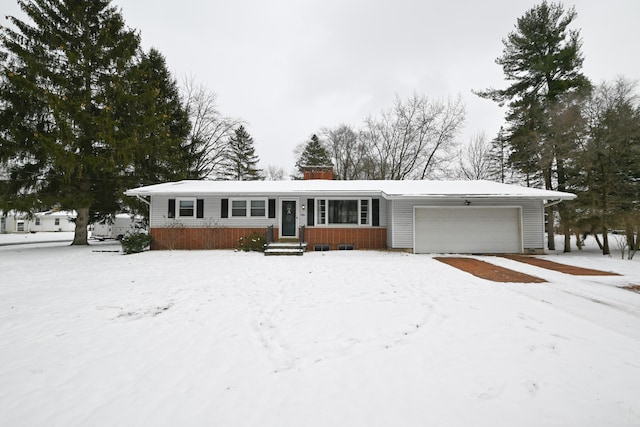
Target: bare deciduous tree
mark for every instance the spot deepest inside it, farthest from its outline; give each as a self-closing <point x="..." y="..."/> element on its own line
<point x="210" y="131"/>
<point x="411" y="140"/>
<point x="348" y="152"/>
<point x="274" y="173"/>
<point x="476" y="159"/>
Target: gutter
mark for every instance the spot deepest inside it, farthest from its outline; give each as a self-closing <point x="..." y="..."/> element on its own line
<point x="553" y="203"/>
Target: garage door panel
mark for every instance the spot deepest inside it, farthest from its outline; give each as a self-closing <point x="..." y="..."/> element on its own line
<point x="467" y="230"/>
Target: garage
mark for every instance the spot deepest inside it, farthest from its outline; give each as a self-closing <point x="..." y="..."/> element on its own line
<point x="467" y="229"/>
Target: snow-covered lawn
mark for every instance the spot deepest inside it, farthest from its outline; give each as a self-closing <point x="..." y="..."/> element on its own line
<point x="90" y="337"/>
<point x="29" y="238"/>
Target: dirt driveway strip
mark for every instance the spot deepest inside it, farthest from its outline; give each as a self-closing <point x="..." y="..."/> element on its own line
<point x="488" y="271"/>
<point x="555" y="266"/>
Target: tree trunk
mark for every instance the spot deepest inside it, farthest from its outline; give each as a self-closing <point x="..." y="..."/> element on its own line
<point x="598" y="240"/>
<point x="578" y="241"/>
<point x="605" y="243"/>
<point x="551" y="244"/>
<point x="605" y="237"/>
<point x="605" y="224"/>
<point x="564" y="222"/>
<point x="82" y="221"/>
<point x="567" y="239"/>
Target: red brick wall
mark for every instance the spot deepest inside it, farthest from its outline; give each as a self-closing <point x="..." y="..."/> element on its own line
<point x="361" y="238"/>
<point x="227" y="238"/>
<point x="201" y="238"/>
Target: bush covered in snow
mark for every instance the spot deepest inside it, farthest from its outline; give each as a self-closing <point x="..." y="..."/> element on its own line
<point x="254" y="242"/>
<point x="134" y="243"/>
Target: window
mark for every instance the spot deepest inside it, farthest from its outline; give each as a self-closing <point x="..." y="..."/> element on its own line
<point x="37" y="221"/>
<point x="57" y="221"/>
<point x="258" y="207"/>
<point x="364" y="212"/>
<point x="255" y="208"/>
<point x="186" y="208"/>
<point x="20" y="226"/>
<point x="238" y="208"/>
<point x="322" y="211"/>
<point x="342" y="211"/>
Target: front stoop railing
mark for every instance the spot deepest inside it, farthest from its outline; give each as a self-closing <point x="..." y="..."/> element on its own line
<point x="269" y="238"/>
<point x="272" y="247"/>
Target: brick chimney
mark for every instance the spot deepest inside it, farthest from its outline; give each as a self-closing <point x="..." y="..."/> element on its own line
<point x="318" y="172"/>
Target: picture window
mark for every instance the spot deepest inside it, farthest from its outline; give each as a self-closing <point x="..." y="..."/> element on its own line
<point x="343" y="211"/>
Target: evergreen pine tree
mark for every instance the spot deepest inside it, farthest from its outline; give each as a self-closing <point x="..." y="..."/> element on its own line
<point x="542" y="58"/>
<point x="242" y="159"/>
<point x="159" y="121"/>
<point x="73" y="132"/>
<point x="313" y="154"/>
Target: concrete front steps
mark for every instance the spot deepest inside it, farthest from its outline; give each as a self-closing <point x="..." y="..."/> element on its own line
<point x="285" y="248"/>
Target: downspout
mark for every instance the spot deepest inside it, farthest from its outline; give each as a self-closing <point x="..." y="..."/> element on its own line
<point x="142" y="199"/>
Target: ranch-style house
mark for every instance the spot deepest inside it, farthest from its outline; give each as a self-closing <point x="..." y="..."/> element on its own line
<point x="418" y="216"/>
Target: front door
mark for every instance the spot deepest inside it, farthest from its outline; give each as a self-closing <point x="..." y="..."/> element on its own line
<point x="289" y="215"/>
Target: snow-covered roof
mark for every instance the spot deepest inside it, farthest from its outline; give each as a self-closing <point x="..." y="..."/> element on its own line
<point x="63" y="214"/>
<point x="387" y="189"/>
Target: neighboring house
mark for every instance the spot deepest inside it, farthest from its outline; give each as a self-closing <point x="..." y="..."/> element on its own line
<point x="14" y="222"/>
<point x="422" y="216"/>
<point x="20" y="222"/>
<point x="53" y="221"/>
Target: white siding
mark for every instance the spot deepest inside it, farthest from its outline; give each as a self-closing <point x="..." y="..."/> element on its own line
<point x="212" y="205"/>
<point x="389" y="214"/>
<point x="48" y="223"/>
<point x="532" y="218"/>
<point x="533" y="224"/>
<point x="383" y="212"/>
<point x="11" y="222"/>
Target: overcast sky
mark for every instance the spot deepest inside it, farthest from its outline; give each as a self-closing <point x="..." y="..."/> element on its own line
<point x="290" y="67"/>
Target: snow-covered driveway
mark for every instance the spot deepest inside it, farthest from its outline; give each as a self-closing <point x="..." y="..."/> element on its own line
<point x="218" y="338"/>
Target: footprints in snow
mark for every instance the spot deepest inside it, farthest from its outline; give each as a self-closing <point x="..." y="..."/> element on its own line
<point x="320" y="340"/>
<point x="134" y="313"/>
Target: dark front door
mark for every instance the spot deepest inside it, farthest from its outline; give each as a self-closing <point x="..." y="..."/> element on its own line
<point x="288" y="228"/>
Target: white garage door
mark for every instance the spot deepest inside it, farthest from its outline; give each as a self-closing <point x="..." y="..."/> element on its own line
<point x="467" y="230"/>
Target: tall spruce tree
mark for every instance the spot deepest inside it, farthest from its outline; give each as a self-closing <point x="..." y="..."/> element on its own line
<point x="242" y="160"/>
<point x="543" y="60"/>
<point x="158" y="122"/>
<point x="72" y="98"/>
<point x="313" y="154"/>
